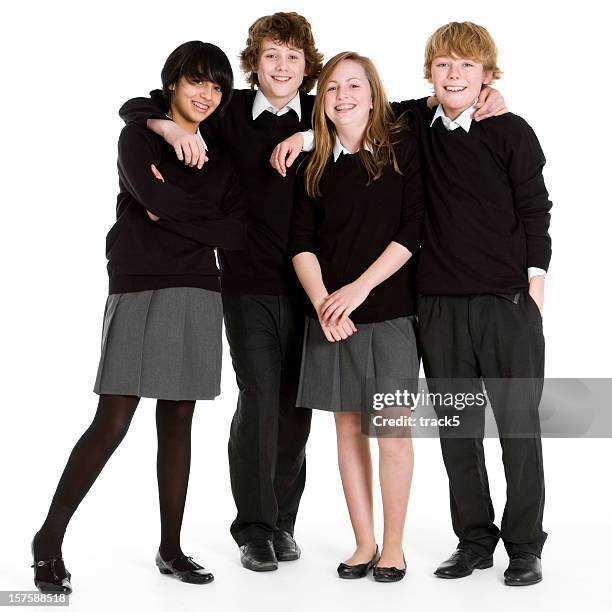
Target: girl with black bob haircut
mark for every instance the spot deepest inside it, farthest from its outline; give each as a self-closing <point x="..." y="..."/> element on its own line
<point x="198" y="61"/>
<point x="161" y="336"/>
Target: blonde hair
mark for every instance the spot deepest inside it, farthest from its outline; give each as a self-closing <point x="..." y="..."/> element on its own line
<point x="378" y="134"/>
<point x="462" y="39"/>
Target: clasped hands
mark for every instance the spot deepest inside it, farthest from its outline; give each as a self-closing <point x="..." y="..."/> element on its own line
<point x="334" y="310"/>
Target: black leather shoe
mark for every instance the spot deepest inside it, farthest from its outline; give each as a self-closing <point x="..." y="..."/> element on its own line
<point x="389" y="574"/>
<point x="258" y="556"/>
<point x="285" y="547"/>
<point x="196" y="574"/>
<point x="60" y="582"/>
<point x="524" y="569"/>
<point x="360" y="570"/>
<point x="462" y="563"/>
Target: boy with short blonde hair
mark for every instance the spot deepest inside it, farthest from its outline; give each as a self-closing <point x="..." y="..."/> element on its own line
<point x="485" y="251"/>
<point x="464" y="39"/>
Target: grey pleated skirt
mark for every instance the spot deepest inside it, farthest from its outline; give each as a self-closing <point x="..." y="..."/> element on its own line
<point x="342" y="376"/>
<point x="164" y="344"/>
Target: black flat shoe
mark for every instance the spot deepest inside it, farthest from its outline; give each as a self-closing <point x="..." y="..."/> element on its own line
<point x="258" y="556"/>
<point x="194" y="575"/>
<point x="462" y="563"/>
<point x="59" y="583"/>
<point x="285" y="547"/>
<point x="360" y="570"/>
<point x="389" y="574"/>
<point x="524" y="569"/>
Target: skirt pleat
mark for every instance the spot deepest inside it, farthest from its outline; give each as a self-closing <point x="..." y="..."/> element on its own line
<point x="164" y="344"/>
<point x="343" y="376"/>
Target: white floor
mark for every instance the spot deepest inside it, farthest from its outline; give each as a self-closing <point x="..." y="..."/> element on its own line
<point x="112" y="539"/>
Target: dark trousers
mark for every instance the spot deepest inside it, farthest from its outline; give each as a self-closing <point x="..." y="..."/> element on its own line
<point x="268" y="433"/>
<point x="491" y="337"/>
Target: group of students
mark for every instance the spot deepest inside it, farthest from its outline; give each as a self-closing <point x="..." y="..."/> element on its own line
<point x="409" y="229"/>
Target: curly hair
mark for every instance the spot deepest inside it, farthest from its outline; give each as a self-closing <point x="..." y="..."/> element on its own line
<point x="287" y="28"/>
<point x="462" y="39"/>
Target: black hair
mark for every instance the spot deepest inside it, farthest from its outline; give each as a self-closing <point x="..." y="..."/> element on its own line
<point x="198" y="61"/>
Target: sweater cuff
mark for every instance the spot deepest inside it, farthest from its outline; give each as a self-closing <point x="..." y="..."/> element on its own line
<point x="303" y="246"/>
<point x="409" y="236"/>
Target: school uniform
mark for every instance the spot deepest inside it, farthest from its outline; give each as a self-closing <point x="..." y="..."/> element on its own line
<point x="348" y="228"/>
<point x="485" y="233"/>
<point x="161" y="336"/>
<point x="263" y="315"/>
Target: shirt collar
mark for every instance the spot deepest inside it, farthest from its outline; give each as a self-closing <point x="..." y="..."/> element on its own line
<point x="464" y="120"/>
<point x="261" y="104"/>
<point x="339" y="149"/>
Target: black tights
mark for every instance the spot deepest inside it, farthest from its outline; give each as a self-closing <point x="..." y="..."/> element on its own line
<point x="94" y="449"/>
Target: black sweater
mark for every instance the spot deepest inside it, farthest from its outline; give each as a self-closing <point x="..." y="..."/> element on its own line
<point x="198" y="210"/>
<point x="350" y="226"/>
<point x="487" y="208"/>
<point x="263" y="266"/>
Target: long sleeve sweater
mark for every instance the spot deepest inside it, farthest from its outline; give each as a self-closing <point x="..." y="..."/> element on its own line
<point x="351" y="225"/>
<point x="487" y="207"/>
<point x="263" y="266"/>
<point x="198" y="211"/>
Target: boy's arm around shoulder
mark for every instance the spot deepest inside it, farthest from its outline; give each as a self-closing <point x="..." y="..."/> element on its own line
<point x="139" y="110"/>
<point x="399" y="108"/>
<point x="149" y="113"/>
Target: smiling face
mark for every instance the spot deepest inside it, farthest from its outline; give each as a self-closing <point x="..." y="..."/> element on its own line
<point x="193" y="101"/>
<point x="348" y="96"/>
<point x="280" y="71"/>
<point x="457" y="83"/>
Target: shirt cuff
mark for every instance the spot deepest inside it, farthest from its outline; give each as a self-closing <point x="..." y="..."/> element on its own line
<point x="531" y="272"/>
<point x="308" y="136"/>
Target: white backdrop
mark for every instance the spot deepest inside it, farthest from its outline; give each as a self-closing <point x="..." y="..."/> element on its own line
<point x="66" y="69"/>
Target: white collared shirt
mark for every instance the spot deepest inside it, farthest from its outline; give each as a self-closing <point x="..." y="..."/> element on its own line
<point x="262" y="104"/>
<point x="340" y="148"/>
<point x="464" y="120"/>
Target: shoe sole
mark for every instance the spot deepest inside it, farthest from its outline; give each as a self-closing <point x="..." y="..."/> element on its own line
<point x="166" y="572"/>
<point x="349" y="577"/>
<point x="387" y="579"/>
<point x="480" y="566"/>
<point x="287" y="556"/>
<point x="260" y="568"/>
<point x="522" y="583"/>
<point x="50" y="590"/>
